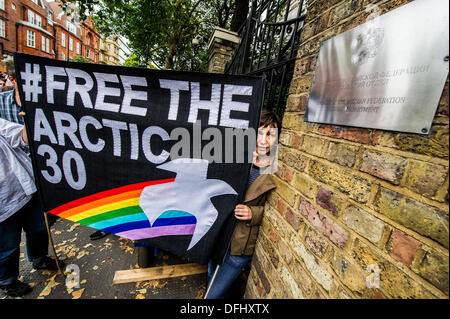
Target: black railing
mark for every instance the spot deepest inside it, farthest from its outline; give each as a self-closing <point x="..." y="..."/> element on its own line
<point x="269" y="44"/>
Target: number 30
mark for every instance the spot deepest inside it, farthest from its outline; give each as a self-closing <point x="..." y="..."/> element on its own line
<point x="67" y="158"/>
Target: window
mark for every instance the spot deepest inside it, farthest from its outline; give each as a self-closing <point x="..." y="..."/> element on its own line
<point x="34" y="18"/>
<point x="50" y="17"/>
<point x="70" y="44"/>
<point x="45" y="44"/>
<point x="63" y="57"/>
<point x="63" y="39"/>
<point x="71" y="27"/>
<point x="2" y="29"/>
<point x="2" y="4"/>
<point x="78" y="47"/>
<point x="31" y="17"/>
<point x="31" y="39"/>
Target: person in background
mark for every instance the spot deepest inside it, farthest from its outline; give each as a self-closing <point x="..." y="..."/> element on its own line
<point x="250" y="212"/>
<point x="9" y="110"/>
<point x="19" y="209"/>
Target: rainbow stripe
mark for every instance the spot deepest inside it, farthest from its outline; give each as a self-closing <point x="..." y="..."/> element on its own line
<point x="117" y="211"/>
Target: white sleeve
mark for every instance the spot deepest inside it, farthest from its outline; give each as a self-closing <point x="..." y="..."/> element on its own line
<point x="12" y="132"/>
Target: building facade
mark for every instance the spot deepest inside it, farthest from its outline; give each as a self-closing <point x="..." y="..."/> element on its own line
<point x="40" y="27"/>
<point x="109" y="50"/>
<point x="26" y="26"/>
<point x="68" y="34"/>
<point x="91" y="41"/>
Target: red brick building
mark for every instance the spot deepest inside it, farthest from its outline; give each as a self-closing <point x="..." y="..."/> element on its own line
<point x="41" y="28"/>
<point x="26" y="26"/>
<point x="67" y="32"/>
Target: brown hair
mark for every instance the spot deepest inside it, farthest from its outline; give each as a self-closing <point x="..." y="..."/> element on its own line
<point x="270" y="118"/>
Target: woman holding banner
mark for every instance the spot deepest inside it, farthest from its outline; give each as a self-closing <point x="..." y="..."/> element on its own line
<point x="250" y="212"/>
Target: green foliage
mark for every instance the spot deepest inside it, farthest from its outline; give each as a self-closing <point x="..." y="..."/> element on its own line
<point x="160" y="32"/>
<point x="79" y="58"/>
<point x="134" y="61"/>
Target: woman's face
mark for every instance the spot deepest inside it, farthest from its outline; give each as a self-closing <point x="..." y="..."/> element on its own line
<point x="267" y="137"/>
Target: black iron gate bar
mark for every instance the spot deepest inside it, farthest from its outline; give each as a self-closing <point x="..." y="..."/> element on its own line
<point x="269" y="48"/>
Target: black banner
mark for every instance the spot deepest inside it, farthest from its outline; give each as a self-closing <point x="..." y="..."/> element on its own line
<point x="162" y="156"/>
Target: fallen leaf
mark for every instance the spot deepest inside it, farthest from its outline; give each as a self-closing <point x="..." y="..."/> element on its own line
<point x="83" y="281"/>
<point x="32" y="284"/>
<point x="82" y="254"/>
<point x="77" y="294"/>
<point x="142" y="291"/>
<point x="95" y="267"/>
<point x="140" y="296"/>
<point x="48" y="289"/>
<point x="200" y="294"/>
<point x="71" y="229"/>
<point x="162" y="284"/>
<point x="47" y="272"/>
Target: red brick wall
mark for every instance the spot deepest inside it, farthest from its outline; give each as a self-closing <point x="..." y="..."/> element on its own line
<point x="10" y="16"/>
<point x="16" y="33"/>
<point x="91" y="42"/>
<point x="351" y="201"/>
<point x="17" y="40"/>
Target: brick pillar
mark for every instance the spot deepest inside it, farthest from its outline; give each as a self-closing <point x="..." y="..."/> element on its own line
<point x="353" y="205"/>
<point x="220" y="49"/>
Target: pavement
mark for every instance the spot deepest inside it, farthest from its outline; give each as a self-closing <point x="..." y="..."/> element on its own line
<point x="97" y="261"/>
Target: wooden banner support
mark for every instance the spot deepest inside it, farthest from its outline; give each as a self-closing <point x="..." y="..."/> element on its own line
<point x="171" y="271"/>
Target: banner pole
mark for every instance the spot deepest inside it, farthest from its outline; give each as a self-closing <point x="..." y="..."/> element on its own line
<point x="52" y="244"/>
<point x="212" y="281"/>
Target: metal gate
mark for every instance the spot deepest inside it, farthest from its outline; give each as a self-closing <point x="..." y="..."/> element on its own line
<point x="270" y="38"/>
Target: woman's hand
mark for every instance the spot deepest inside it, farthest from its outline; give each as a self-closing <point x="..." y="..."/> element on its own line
<point x="243" y="212"/>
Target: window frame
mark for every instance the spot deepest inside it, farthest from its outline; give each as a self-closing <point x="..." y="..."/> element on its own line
<point x="31" y="39"/>
<point x="2" y="28"/>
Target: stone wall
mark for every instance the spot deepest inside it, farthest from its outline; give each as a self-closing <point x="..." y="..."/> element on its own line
<point x="353" y="205"/>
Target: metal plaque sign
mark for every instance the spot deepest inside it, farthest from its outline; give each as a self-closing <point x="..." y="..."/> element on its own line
<point x="387" y="73"/>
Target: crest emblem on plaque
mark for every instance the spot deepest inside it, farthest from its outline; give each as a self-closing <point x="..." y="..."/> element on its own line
<point x="364" y="46"/>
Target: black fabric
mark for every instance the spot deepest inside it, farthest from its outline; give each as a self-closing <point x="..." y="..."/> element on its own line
<point x="46" y="89"/>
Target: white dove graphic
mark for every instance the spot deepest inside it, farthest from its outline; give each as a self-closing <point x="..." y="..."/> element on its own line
<point x="190" y="192"/>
